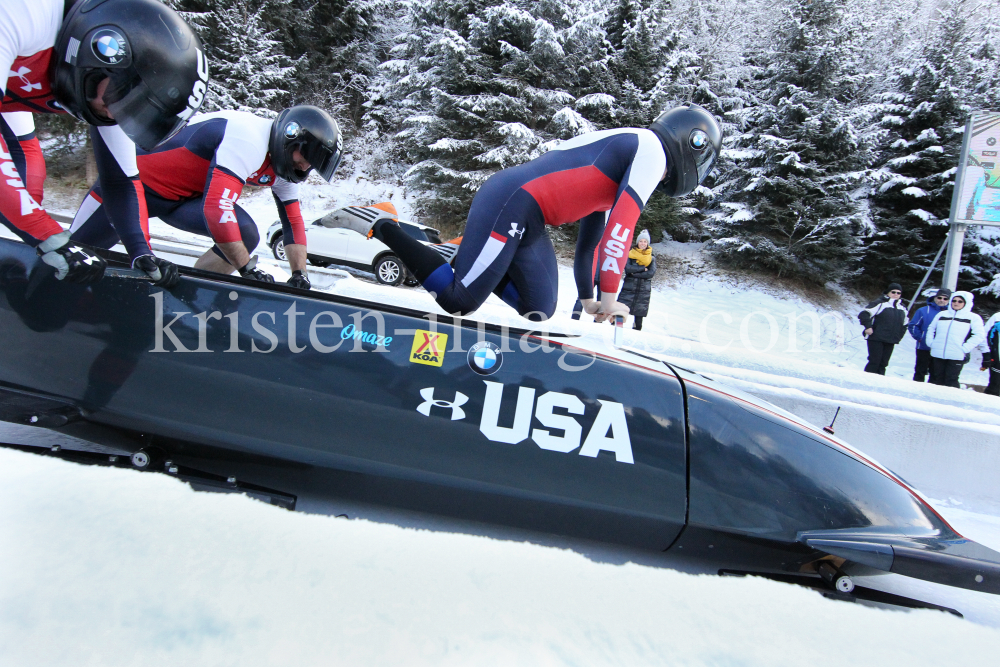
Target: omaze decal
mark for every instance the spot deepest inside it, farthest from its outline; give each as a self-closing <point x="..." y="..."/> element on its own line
<point x="350" y="332"/>
<point x="608" y="433"/>
<point x="428" y="347"/>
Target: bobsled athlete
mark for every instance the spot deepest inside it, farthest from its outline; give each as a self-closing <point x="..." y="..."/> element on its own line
<point x="193" y="181"/>
<point x="603" y="179"/>
<point x="134" y="71"/>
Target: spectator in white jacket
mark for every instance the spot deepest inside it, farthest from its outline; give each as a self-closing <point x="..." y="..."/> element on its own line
<point x="952" y="335"/>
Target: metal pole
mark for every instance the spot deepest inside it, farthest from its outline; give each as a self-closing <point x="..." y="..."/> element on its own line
<point x="927" y="275"/>
<point x="956" y="235"/>
<point x="953" y="260"/>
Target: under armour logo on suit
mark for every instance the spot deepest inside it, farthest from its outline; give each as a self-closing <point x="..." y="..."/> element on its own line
<point x="78" y="249"/>
<point x="22" y="73"/>
<point x="514" y="231"/>
<point x="457" y="412"/>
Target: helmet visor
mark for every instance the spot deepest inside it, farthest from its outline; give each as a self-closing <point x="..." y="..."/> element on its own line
<point x="322" y="159"/>
<point x="705" y="161"/>
<point x="142" y="117"/>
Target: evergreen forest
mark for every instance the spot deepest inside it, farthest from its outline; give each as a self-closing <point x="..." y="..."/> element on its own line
<point x="843" y="118"/>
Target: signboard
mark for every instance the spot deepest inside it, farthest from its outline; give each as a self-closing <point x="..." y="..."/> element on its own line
<point x="978" y="202"/>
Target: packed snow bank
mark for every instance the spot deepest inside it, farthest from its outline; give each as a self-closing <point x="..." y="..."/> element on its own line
<point x="113" y="567"/>
<point x="945" y="451"/>
<point x="944" y="441"/>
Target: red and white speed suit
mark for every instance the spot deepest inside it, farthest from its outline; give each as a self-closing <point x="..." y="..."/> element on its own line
<point x="193" y="182"/>
<point x="28" y="30"/>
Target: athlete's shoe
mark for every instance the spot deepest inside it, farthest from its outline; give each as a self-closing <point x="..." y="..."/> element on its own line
<point x="359" y="219"/>
<point x="448" y="250"/>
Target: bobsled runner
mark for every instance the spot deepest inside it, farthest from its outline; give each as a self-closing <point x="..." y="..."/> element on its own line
<point x="267" y="387"/>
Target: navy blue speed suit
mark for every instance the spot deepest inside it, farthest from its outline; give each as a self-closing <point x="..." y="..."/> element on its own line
<point x="602" y="179"/>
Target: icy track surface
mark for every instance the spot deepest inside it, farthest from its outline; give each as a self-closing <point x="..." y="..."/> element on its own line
<point x="113" y="567"/>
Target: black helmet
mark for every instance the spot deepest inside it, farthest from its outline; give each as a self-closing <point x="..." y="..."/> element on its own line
<point x="157" y="70"/>
<point x="692" y="140"/>
<point x="311" y="131"/>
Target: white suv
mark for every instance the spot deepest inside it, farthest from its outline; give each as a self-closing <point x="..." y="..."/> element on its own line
<point x="328" y="246"/>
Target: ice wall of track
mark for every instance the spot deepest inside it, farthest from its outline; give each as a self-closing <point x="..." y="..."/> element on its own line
<point x="943" y="441"/>
<point x="943" y="458"/>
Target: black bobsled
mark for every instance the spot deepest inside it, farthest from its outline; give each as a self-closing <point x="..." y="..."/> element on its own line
<point x="227" y="376"/>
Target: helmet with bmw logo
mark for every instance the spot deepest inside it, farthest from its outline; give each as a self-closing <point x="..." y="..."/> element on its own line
<point x="692" y="140"/>
<point x="311" y="131"/>
<point x="154" y="63"/>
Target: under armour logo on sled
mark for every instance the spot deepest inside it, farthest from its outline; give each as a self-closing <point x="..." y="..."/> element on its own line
<point x="457" y="412"/>
<point x="514" y="231"/>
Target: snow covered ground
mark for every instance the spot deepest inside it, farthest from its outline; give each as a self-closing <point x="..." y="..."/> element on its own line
<point x="113" y="567"/>
<point x="108" y="567"/>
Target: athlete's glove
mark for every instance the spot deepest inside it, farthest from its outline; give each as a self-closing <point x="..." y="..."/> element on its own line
<point x="299" y="280"/>
<point x="606" y="308"/>
<point x="251" y="272"/>
<point x="70" y="261"/>
<point x="608" y="311"/>
<point x="163" y="273"/>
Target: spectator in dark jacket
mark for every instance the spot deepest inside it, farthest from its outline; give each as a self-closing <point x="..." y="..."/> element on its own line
<point x="639" y="271"/>
<point x="991" y="355"/>
<point x="884" y="320"/>
<point x="918" y="329"/>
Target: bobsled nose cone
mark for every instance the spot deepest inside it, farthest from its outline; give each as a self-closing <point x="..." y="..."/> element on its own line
<point x="944" y="560"/>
